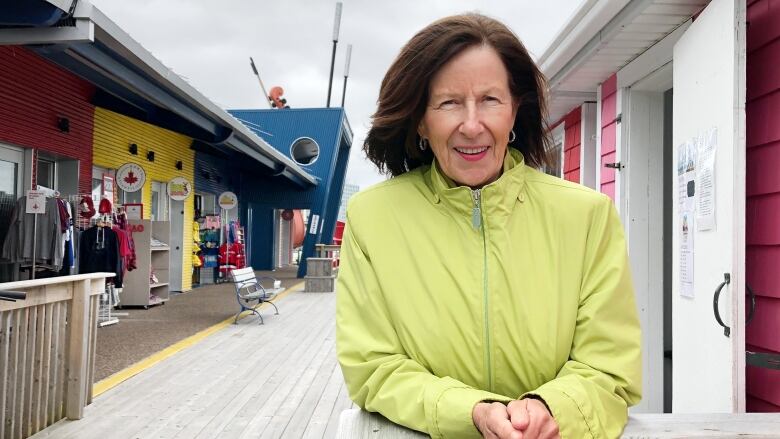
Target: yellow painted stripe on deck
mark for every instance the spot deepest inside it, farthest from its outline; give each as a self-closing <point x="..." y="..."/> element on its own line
<point x="131" y="371"/>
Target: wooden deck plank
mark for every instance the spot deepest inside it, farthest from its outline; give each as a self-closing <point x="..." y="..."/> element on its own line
<point x="318" y="422"/>
<point x="146" y="402"/>
<point x="303" y="413"/>
<point x="342" y="403"/>
<point x="202" y="390"/>
<point x="258" y="413"/>
<point x="288" y="396"/>
<point x="246" y="380"/>
<point x="284" y="348"/>
<point x="236" y="417"/>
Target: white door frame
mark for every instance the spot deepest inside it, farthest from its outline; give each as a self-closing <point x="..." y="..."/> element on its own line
<point x="588" y="128"/>
<point x="642" y="84"/>
<point x="642" y="182"/>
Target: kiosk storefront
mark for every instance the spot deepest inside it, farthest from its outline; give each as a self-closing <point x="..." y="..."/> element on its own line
<point x="159" y="164"/>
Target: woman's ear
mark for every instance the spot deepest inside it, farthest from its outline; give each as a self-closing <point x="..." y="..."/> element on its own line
<point x="421" y="130"/>
<point x="515" y="107"/>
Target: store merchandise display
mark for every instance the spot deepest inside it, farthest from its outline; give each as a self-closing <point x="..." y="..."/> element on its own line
<point x="232" y="253"/>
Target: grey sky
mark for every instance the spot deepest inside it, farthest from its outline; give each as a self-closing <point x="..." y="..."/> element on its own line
<point x="209" y="43"/>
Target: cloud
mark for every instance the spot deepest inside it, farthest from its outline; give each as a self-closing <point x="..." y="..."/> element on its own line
<point x="210" y="43"/>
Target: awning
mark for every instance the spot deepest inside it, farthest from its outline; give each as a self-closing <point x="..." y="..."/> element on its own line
<point x="131" y="81"/>
<point x="601" y="37"/>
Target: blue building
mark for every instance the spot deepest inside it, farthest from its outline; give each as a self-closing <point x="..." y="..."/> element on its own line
<point x="316" y="139"/>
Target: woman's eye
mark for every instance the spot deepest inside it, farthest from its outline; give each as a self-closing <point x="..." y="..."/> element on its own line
<point x="492" y="99"/>
<point x="447" y="103"/>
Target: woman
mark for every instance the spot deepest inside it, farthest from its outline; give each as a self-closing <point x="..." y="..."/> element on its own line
<point x="477" y="294"/>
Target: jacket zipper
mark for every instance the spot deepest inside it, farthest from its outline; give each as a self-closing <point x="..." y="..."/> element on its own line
<point x="476" y="222"/>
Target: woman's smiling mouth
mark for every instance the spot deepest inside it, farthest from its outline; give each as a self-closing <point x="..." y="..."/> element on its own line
<point x="472" y="153"/>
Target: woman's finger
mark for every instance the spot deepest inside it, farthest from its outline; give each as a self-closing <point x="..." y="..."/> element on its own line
<point x="499" y="424"/>
<point x="535" y="419"/>
<point x="518" y="414"/>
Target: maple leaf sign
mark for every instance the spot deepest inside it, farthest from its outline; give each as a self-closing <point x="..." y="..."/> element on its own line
<point x="131" y="178"/>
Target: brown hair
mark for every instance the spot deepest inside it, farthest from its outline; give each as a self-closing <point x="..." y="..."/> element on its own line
<point x="391" y="143"/>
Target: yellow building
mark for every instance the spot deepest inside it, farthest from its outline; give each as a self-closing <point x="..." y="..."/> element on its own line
<point x="114" y="135"/>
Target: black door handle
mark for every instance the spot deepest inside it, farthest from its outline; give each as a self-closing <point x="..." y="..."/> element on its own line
<point x="726" y="281"/>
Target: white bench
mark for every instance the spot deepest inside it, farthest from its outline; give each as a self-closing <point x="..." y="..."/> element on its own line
<point x="249" y="289"/>
<point x="359" y="424"/>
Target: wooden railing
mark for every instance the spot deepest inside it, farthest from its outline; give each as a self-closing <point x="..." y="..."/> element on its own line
<point x="47" y="351"/>
<point x="359" y="424"/>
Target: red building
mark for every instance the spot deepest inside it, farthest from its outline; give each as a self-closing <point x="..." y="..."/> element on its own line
<point x="684" y="139"/>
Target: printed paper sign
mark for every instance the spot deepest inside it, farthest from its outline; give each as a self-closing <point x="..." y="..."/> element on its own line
<point x="36" y="202"/>
<point x="686" y="194"/>
<point x="705" y="180"/>
<point x="315" y="222"/>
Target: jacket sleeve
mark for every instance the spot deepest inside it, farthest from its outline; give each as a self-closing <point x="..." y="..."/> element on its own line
<point x="379" y="374"/>
<point x="590" y="395"/>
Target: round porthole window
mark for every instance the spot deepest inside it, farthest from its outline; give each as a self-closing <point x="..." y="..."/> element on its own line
<point x="305" y="151"/>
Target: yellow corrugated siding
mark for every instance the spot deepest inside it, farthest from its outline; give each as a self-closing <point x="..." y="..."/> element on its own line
<point x="113" y="134"/>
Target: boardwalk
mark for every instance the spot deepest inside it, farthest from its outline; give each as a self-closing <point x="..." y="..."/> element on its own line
<point x="278" y="380"/>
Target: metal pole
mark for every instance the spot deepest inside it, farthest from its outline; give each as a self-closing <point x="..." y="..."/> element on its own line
<point x="262" y="87"/>
<point x="35" y="243"/>
<point x="346" y="74"/>
<point x="344" y="92"/>
<point x="330" y="81"/>
<point x="336" y="24"/>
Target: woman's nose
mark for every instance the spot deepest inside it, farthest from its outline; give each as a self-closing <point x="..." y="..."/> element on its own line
<point x="471" y="126"/>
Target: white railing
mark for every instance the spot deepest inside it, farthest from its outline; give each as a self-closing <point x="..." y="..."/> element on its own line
<point x="358" y="424"/>
<point x="47" y="351"/>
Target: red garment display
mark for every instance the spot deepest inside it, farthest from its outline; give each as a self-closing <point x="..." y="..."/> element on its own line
<point x="236" y="258"/>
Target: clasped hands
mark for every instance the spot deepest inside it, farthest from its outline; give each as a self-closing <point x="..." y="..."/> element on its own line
<point x="520" y="419"/>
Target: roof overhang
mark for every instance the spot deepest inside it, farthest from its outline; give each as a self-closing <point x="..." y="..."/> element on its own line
<point x="602" y="37"/>
<point x="131" y="81"/>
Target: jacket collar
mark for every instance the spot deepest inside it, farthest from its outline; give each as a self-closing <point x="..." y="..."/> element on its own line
<point x="498" y="196"/>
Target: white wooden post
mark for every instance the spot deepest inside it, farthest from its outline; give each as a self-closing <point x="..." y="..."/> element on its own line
<point x="77" y="356"/>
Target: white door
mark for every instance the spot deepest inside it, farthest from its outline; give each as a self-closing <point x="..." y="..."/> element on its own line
<point x="709" y="92"/>
<point x="177" y="245"/>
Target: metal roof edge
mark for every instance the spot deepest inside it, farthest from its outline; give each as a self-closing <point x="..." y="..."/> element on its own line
<point x="585" y="24"/>
<point x="112" y="36"/>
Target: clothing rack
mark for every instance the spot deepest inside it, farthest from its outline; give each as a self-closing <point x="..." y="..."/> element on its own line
<point x="108" y="300"/>
<point x="50" y="193"/>
<point x="110" y="297"/>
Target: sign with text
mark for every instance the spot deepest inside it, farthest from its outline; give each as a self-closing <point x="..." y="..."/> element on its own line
<point x="130" y="177"/>
<point x="228" y="200"/>
<point x="36" y="202"/>
<point x="179" y="188"/>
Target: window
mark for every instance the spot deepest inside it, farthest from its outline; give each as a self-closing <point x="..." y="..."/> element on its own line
<point x="159" y="210"/>
<point x="304" y="151"/>
<point x="129" y="197"/>
<point x="97" y="182"/>
<point x="45" y="173"/>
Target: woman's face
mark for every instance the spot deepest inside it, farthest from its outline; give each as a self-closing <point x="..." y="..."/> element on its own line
<point x="469" y="115"/>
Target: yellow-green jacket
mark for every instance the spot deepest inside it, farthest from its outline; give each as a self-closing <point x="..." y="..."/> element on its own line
<point x="448" y="296"/>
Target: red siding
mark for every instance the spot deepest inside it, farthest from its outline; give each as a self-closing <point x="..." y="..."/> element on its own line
<point x="33" y="94"/>
<point x="571" y="145"/>
<point x="763" y="198"/>
<point x="608" y="134"/>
